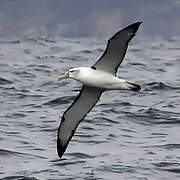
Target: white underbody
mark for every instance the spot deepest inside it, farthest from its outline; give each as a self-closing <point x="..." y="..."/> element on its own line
<point x="100" y="79"/>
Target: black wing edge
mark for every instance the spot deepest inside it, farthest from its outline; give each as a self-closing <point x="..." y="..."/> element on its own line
<point x="60" y="148"/>
<point x="134" y="26"/>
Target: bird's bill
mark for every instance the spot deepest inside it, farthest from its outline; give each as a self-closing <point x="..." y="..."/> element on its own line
<point x="63" y="76"/>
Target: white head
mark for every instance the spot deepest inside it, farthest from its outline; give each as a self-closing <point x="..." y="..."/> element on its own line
<point x="72" y="73"/>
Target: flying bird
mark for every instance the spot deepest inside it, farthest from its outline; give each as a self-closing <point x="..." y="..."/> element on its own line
<point x="95" y="79"/>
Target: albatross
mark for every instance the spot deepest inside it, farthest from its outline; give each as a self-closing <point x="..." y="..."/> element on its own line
<point x="95" y="79"/>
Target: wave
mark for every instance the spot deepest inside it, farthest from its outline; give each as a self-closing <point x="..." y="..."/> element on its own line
<point x="151" y="116"/>
<point x="60" y="100"/>
<point x="19" y="178"/>
<point x="5" y="152"/>
<point x="159" y="86"/>
<point x="5" y="81"/>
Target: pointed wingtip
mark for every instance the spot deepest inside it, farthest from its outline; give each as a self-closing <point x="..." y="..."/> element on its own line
<point x="59" y="152"/>
<point x="138" y="23"/>
<point x="60" y="149"/>
<point x="134" y="25"/>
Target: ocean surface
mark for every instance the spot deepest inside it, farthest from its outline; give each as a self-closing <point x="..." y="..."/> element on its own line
<point x="127" y="136"/>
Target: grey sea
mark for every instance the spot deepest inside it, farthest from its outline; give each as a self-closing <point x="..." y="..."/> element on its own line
<point x="127" y="136"/>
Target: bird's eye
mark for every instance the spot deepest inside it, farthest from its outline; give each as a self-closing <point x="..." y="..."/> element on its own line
<point x="71" y="71"/>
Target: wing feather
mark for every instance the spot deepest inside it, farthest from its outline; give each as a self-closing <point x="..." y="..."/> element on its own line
<point x="116" y="49"/>
<point x="71" y="118"/>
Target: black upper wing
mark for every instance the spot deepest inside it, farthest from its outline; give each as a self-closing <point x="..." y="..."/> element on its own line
<point x="71" y="118"/>
<point x="116" y="49"/>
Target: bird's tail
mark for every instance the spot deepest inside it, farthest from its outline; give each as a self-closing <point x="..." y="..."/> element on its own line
<point x="133" y="86"/>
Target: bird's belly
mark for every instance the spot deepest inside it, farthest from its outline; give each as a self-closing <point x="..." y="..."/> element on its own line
<point x="102" y="80"/>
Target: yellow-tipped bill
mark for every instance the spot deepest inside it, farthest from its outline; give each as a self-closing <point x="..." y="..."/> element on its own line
<point x="60" y="78"/>
<point x="63" y="77"/>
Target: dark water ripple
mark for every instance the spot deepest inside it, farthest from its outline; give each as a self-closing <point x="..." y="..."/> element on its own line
<point x="19" y="178"/>
<point x="59" y="101"/>
<point x="4" y="81"/>
<point x="159" y="86"/>
<point x="5" y="152"/>
<point x="128" y="135"/>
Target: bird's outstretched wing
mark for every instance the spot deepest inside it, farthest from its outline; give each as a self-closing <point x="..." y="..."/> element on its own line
<point x="116" y="49"/>
<point x="71" y="118"/>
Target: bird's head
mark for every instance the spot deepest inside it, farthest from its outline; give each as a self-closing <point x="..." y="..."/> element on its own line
<point x="72" y="73"/>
